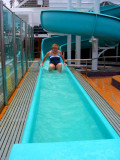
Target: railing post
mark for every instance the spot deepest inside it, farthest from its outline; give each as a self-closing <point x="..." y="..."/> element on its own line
<point x="26" y="45"/>
<point x="3" y="55"/>
<point x="33" y="42"/>
<point x="14" y="50"/>
<point x="21" y="39"/>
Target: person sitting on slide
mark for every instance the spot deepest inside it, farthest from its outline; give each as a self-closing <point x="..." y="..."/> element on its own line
<point x="54" y="56"/>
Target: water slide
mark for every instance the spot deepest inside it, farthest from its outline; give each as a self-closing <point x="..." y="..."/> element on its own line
<point x="111" y="10"/>
<point x="63" y="121"/>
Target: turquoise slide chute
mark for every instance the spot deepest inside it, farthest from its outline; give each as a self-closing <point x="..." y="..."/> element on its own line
<point x="85" y="24"/>
<point x="111" y="10"/>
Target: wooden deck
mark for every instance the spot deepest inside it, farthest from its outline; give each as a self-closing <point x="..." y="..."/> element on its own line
<point x="103" y="85"/>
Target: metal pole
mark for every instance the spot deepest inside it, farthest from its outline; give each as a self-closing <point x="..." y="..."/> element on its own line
<point x="21" y="40"/>
<point x="3" y="55"/>
<point x="26" y="47"/>
<point x="78" y="50"/>
<point x="33" y="42"/>
<point x="14" y="50"/>
<point x="69" y="37"/>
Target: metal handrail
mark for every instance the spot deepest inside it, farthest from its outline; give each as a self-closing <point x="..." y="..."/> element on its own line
<point x="91" y="59"/>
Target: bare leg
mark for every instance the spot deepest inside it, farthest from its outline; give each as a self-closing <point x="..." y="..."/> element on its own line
<point x="51" y="67"/>
<point x="59" y="67"/>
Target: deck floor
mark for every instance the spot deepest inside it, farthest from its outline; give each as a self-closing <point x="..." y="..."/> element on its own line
<point x="106" y="90"/>
<point x="13" y="122"/>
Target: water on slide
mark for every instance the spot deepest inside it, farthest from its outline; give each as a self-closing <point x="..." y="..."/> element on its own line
<point x="63" y="113"/>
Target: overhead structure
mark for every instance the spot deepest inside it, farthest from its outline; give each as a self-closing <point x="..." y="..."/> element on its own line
<point x="32" y="3"/>
<point x="81" y="4"/>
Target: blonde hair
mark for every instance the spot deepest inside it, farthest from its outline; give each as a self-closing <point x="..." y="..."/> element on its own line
<point x="55" y="46"/>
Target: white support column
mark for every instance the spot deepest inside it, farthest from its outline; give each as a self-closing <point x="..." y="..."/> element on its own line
<point x="69" y="37"/>
<point x="94" y="54"/>
<point x="97" y="6"/>
<point x="69" y="4"/>
<point x="78" y="49"/>
<point x="78" y="3"/>
<point x="94" y="40"/>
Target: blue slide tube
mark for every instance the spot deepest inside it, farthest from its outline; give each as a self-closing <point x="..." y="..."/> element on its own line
<point x="85" y="24"/>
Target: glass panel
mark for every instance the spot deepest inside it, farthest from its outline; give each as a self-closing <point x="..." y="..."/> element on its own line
<point x="23" y="45"/>
<point x="18" y="48"/>
<point x="29" y="45"/>
<point x="1" y="79"/>
<point x="32" y="45"/>
<point x="9" y="56"/>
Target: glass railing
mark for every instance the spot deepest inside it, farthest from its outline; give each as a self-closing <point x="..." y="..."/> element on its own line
<point x="8" y="47"/>
<point x="16" y="49"/>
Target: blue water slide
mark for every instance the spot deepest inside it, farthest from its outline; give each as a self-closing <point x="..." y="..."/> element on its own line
<point x="112" y="10"/>
<point x="85" y="24"/>
<point x="108" y="10"/>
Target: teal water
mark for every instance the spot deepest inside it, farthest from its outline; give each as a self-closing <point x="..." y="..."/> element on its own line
<point x="64" y="114"/>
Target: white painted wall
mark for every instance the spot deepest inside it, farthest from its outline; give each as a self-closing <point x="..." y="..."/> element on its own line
<point x="32" y="15"/>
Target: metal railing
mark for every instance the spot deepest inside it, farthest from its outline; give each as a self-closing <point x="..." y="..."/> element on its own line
<point x="90" y="60"/>
<point x="16" y="50"/>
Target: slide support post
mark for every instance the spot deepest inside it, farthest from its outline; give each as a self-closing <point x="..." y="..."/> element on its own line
<point x="69" y="4"/>
<point x="94" y="54"/>
<point x="97" y="6"/>
<point x="78" y="3"/>
<point x="78" y="50"/>
<point x="95" y="41"/>
<point x="69" y="37"/>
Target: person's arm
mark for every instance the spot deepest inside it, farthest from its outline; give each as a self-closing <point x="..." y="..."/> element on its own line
<point x="62" y="57"/>
<point x="47" y="55"/>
